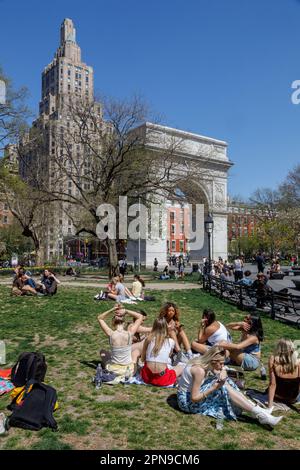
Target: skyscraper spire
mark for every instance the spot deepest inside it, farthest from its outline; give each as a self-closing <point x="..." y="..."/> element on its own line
<point x="68" y="47"/>
<point x="67" y="32"/>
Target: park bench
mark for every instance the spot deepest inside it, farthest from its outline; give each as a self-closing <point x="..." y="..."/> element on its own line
<point x="297" y="283"/>
<point x="286" y="307"/>
<point x="276" y="275"/>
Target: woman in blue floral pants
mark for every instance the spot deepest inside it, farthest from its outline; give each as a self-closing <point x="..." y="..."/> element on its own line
<point x="204" y="388"/>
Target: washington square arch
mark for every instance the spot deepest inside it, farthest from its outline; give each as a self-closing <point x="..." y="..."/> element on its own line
<point x="206" y="184"/>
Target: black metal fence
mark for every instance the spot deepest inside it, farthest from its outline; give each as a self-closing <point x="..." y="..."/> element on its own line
<point x="280" y="305"/>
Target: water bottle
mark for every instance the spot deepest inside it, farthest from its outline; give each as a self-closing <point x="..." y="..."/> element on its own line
<point x="127" y="374"/>
<point x="98" y="376"/>
<point x="263" y="373"/>
<point x="220" y="420"/>
<point x="2" y="353"/>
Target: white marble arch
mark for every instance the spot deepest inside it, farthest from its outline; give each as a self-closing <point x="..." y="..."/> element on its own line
<point x="202" y="153"/>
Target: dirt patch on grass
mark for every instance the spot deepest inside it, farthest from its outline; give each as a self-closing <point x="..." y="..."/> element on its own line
<point x="83" y="329"/>
<point x="49" y="341"/>
<point x="94" y="441"/>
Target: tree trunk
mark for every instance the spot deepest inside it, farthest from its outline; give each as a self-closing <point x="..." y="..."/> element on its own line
<point x="113" y="257"/>
<point x="39" y="257"/>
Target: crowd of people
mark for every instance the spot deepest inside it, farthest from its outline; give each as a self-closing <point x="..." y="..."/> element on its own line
<point x="164" y="356"/>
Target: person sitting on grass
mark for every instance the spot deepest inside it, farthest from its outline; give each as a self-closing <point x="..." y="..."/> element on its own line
<point x="156" y="354"/>
<point x="120" y="291"/>
<point x="171" y="313"/>
<point x="284" y="373"/>
<point x="137" y="288"/>
<point x="165" y="274"/>
<point x="49" y="283"/>
<point x="21" y="286"/>
<point x="247" y="352"/>
<point x="123" y="354"/>
<point x="210" y="333"/>
<point x="204" y="388"/>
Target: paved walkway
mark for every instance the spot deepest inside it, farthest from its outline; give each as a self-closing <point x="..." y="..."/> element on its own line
<point x="102" y="284"/>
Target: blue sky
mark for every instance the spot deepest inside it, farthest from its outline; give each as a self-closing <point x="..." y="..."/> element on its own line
<point x="221" y="68"/>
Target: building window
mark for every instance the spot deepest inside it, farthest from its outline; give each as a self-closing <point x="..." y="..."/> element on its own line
<point x="181" y="243"/>
<point x="5" y="219"/>
<point x="173" y="229"/>
<point x="6" y="207"/>
<point x="173" y="245"/>
<point x="172" y="216"/>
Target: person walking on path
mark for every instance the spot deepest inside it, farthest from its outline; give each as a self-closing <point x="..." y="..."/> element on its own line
<point x="260" y="261"/>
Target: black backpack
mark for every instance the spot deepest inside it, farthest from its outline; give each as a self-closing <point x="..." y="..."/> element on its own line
<point x="30" y="366"/>
<point x="36" y="408"/>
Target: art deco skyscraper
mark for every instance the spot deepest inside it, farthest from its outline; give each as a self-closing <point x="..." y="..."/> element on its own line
<point x="65" y="80"/>
<point x="66" y="74"/>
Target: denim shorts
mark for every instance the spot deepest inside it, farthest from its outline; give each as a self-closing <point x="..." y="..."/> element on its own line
<point x="250" y="362"/>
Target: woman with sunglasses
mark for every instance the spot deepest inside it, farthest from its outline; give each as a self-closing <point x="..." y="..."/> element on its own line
<point x="204" y="388"/>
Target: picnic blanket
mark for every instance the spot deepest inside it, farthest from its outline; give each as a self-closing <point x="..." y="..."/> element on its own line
<point x="5" y="386"/>
<point x="137" y="380"/>
<point x="261" y="398"/>
<point x="5" y="373"/>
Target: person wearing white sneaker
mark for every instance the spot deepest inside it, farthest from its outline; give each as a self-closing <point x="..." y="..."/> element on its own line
<point x="204" y="388"/>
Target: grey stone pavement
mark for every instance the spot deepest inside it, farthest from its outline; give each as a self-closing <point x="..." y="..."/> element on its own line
<point x="277" y="284"/>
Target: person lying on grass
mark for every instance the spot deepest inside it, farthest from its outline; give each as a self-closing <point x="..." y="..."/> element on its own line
<point x="123" y="354"/>
<point x="204" y="388"/>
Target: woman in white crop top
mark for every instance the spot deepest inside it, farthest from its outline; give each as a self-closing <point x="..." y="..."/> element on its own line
<point x="156" y="355"/>
<point x="210" y="333"/>
<point x="122" y="353"/>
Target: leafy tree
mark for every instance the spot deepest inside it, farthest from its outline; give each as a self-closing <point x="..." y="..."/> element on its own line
<point x="13" y="114"/>
<point x="13" y="241"/>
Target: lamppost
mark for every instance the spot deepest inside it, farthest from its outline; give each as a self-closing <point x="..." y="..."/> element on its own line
<point x="209" y="226"/>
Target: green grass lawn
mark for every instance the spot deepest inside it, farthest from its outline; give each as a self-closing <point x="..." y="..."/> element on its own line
<point x="66" y="330"/>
